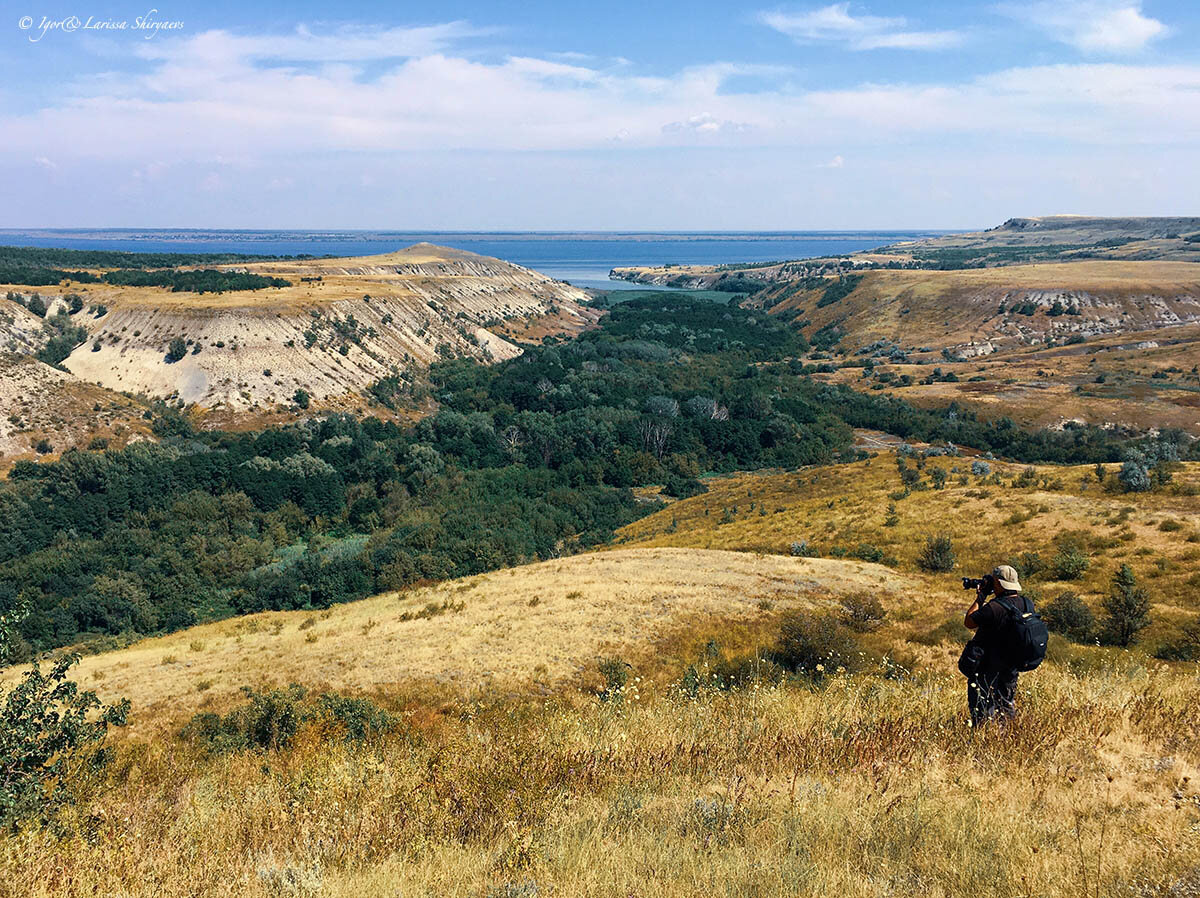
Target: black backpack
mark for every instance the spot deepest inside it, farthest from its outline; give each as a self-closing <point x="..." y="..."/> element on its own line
<point x="1022" y="643"/>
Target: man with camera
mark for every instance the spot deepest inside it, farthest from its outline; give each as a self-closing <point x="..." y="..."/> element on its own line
<point x="1009" y="638"/>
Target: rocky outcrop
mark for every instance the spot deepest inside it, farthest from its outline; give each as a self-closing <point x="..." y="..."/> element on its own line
<point x="341" y="325"/>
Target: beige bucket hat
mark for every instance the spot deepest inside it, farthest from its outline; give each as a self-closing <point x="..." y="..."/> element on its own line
<point x="1006" y="576"/>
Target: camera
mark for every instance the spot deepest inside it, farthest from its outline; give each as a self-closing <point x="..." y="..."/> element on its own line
<point x="977" y="583"/>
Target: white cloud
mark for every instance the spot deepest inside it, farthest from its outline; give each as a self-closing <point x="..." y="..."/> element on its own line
<point x="206" y="97"/>
<point x="836" y="23"/>
<point x="835" y="162"/>
<point x="1093" y="26"/>
<point x="341" y="43"/>
<point x="48" y="164"/>
<point x="704" y="123"/>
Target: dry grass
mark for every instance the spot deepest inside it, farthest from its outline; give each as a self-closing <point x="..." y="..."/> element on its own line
<point x="847" y="506"/>
<point x="507" y="777"/>
<point x="867" y="787"/>
<point x="588" y="605"/>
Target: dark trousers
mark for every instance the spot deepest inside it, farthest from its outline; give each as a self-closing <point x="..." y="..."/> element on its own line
<point x="990" y="692"/>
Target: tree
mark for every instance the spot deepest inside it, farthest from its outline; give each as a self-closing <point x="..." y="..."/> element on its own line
<point x="176" y="349"/>
<point x="301" y="398"/>
<point x="1128" y="609"/>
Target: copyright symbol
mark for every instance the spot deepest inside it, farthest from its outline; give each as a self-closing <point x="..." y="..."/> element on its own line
<point x="25" y="23"/>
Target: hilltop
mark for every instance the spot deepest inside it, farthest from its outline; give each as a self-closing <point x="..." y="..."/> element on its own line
<point x="537" y="626"/>
<point x="1131" y="238"/>
<point x="328" y="327"/>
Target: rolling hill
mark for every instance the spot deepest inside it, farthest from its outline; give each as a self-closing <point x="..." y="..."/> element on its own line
<point x="566" y="727"/>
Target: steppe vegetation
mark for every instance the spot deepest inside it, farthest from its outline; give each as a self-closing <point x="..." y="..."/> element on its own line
<point x="524" y="460"/>
<point x="696" y="763"/>
<point x="740" y="682"/>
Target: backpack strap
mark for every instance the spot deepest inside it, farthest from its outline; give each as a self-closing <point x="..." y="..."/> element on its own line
<point x="1026" y="605"/>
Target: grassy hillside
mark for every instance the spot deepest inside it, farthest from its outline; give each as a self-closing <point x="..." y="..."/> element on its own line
<point x="543" y="624"/>
<point x="837" y="784"/>
<point x="854" y="510"/>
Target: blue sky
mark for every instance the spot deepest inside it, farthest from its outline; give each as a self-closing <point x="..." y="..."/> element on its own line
<point x="607" y="116"/>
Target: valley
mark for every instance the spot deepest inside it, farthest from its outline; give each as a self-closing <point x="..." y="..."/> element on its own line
<point x="538" y="593"/>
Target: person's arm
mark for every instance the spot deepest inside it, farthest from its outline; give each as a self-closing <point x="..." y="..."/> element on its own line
<point x="969" y="618"/>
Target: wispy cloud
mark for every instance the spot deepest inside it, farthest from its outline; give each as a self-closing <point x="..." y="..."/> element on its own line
<point x="837" y="24"/>
<point x="336" y="43"/>
<point x="1093" y="26"/>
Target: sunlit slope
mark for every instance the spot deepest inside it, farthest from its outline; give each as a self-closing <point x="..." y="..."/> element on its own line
<point x="845" y="509"/>
<point x="537" y="623"/>
<point x="953" y="308"/>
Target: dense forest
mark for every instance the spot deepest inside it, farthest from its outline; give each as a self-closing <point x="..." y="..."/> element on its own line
<point x="524" y="460"/>
<point x="38" y="267"/>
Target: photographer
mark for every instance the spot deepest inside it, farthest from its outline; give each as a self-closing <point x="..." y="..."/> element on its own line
<point x="1009" y="638"/>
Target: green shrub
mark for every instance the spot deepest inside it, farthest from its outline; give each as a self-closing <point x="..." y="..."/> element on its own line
<point x="1028" y="564"/>
<point x="1070" y="563"/>
<point x="269" y="721"/>
<point x="867" y="552"/>
<point x="938" y="555"/>
<point x="176" y="349"/>
<point x="1185" y="648"/>
<point x="616" y="676"/>
<point x="1069" y="615"/>
<point x="815" y="644"/>
<point x="51" y="737"/>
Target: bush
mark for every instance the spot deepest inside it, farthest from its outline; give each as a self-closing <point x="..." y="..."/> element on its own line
<point x="1070" y="563"/>
<point x="176" y="349"/>
<point x="1134" y="477"/>
<point x="814" y="644"/>
<point x="801" y="549"/>
<point x="1185" y="648"/>
<point x="938" y="555"/>
<point x="616" y="676"/>
<point x="683" y="487"/>
<point x="269" y="721"/>
<point x="301" y="398"/>
<point x="862" y="611"/>
<point x="867" y="552"/>
<point x="1028" y="564"/>
<point x="1069" y="615"/>
<point x="980" y="468"/>
<point x="51" y="736"/>
<point x="1128" y="609"/>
